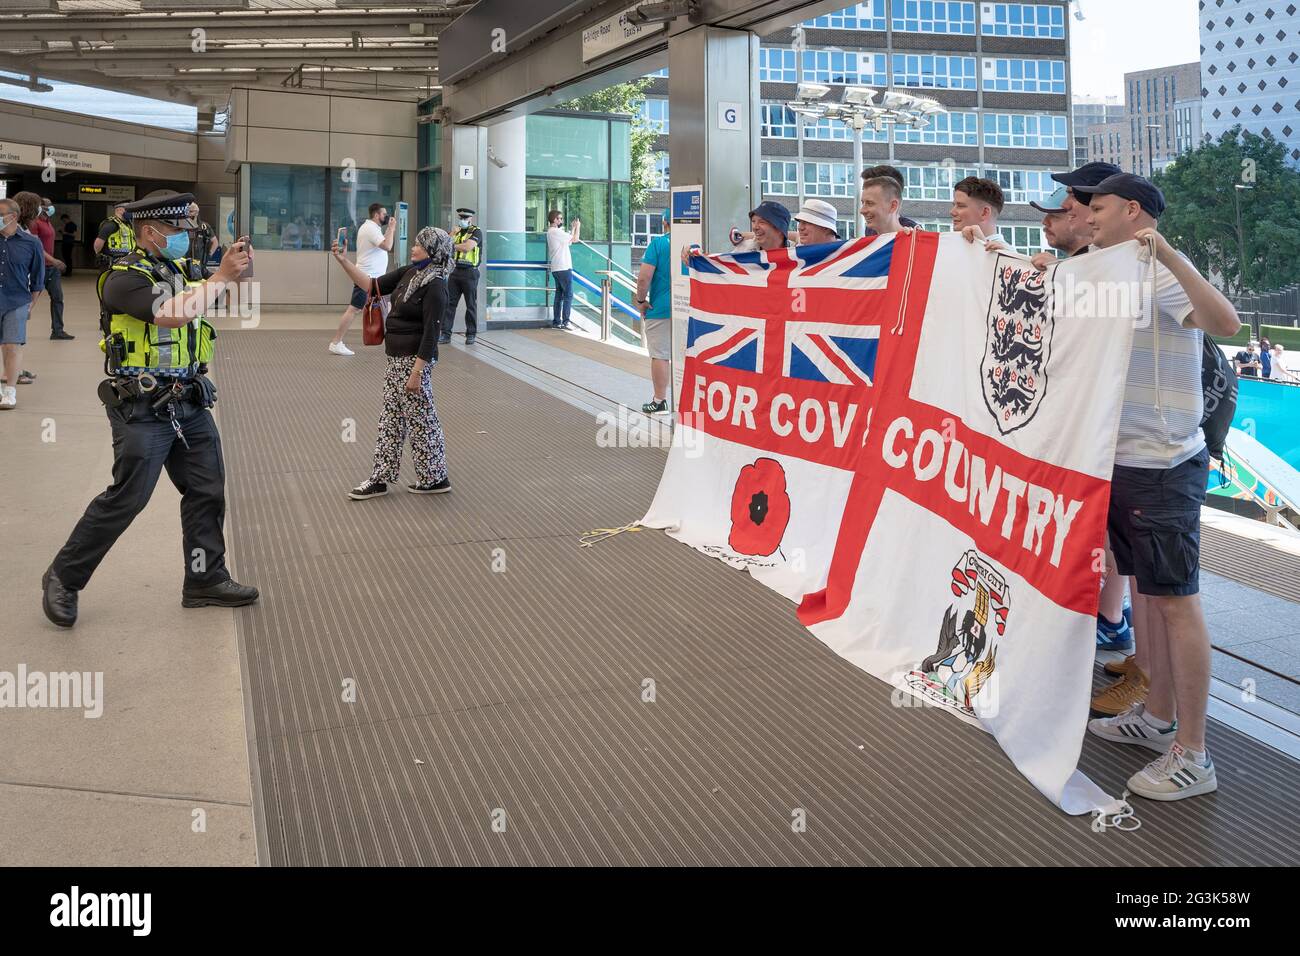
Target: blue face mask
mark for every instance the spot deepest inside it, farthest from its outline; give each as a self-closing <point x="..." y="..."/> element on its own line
<point x="177" y="245"/>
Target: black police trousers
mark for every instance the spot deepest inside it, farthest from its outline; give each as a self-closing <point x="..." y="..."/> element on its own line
<point x="463" y="281"/>
<point x="143" y="446"/>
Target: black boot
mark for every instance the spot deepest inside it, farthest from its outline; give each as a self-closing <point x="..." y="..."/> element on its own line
<point x="58" y="602"/>
<point x="225" y="593"/>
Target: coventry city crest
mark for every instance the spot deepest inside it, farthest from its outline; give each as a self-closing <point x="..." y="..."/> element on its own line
<point x="965" y="658"/>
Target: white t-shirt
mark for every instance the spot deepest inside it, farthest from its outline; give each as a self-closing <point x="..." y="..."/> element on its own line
<point x="558" y="257"/>
<point x="371" y="259"/>
<point x="1144" y="440"/>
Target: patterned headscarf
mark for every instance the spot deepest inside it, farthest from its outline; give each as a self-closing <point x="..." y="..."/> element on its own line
<point x="437" y="244"/>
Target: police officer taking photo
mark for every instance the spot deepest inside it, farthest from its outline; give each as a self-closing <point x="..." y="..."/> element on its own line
<point x="157" y="345"/>
<point x="467" y="242"/>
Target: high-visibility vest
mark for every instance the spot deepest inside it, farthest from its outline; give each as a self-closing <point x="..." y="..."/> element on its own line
<point x="145" y="346"/>
<point x="122" y="241"/>
<point x="471" y="257"/>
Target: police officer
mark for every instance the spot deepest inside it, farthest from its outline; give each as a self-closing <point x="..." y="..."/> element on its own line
<point x="467" y="242"/>
<point x="116" y="238"/>
<point x="157" y="345"/>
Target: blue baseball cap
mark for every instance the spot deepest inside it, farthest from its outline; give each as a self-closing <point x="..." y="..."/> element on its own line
<point x="1137" y="188"/>
<point x="1083" y="179"/>
<point x="775" y="214"/>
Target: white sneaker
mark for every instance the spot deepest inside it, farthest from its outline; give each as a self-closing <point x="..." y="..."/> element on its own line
<point x="338" y="348"/>
<point x="8" y="396"/>
<point x="1174" y="776"/>
<point x="1132" y="727"/>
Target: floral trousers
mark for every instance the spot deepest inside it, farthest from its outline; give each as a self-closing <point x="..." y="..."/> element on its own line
<point x="409" y="413"/>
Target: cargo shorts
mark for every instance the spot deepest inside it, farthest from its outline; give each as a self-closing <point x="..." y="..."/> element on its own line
<point x="1155" y="525"/>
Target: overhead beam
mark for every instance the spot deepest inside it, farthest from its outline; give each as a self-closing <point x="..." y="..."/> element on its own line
<point x="216" y="28"/>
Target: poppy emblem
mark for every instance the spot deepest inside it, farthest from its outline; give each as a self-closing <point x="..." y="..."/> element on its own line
<point x="760" y="508"/>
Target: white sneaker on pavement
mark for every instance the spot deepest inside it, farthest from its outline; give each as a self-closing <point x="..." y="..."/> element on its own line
<point x="1174" y="776"/>
<point x="1133" y="727"/>
<point x="8" y="396"/>
<point x="338" y="348"/>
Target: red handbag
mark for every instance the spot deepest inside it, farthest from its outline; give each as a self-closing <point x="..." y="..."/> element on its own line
<point x="372" y="318"/>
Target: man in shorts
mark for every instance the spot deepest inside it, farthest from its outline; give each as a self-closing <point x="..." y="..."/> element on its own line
<point x="654" y="297"/>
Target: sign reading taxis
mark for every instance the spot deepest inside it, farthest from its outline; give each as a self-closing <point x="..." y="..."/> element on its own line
<point x="20" y="154"/>
<point x="615" y="32"/>
<point x="68" y="160"/>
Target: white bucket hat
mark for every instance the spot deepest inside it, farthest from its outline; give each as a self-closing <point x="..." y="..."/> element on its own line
<point x="817" y="212"/>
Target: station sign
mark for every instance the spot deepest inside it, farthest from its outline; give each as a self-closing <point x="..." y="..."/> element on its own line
<point x="615" y="32"/>
<point x="66" y="160"/>
<point x="93" y="193"/>
<point x="20" y="154"/>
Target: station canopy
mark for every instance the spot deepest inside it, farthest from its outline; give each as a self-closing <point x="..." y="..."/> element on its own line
<point x="194" y="51"/>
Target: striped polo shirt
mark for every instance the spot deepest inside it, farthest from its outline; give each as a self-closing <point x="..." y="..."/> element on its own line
<point x="1146" y="441"/>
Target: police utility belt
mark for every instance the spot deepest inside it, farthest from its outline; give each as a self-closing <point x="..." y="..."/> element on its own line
<point x="160" y="393"/>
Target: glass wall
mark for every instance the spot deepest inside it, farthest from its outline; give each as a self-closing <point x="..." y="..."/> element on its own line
<point x="303" y="207"/>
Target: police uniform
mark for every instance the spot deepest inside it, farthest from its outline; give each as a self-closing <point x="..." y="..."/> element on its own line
<point x="157" y="399"/>
<point x="119" y="239"/>
<point x="463" y="281"/>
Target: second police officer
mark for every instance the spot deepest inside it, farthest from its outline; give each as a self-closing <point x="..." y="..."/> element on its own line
<point x="467" y="241"/>
<point x="157" y="345"/>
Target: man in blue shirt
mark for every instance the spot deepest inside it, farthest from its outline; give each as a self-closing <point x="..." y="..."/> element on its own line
<point x="654" y="297"/>
<point x="22" y="278"/>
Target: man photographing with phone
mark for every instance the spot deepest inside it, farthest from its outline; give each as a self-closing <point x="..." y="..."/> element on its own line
<point x="374" y="243"/>
<point x="157" y="346"/>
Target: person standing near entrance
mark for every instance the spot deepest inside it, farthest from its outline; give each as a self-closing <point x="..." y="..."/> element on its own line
<point x="374" y="242"/>
<point x="157" y="346"/>
<point x="116" y="238"/>
<point x="654" y="297"/>
<point x="467" y="242"/>
<point x="43" y="229"/>
<point x="22" y="279"/>
<point x="559" y="260"/>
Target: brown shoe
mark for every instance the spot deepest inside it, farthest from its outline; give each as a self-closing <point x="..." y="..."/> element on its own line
<point x="1129" y="690"/>
<point x="1122" y="668"/>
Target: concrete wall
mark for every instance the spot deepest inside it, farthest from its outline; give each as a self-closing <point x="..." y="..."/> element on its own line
<point x="144" y="152"/>
<point x="314" y="129"/>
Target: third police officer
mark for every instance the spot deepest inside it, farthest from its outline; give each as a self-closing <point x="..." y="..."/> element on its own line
<point x="116" y="237"/>
<point x="157" y="344"/>
<point x="467" y="241"/>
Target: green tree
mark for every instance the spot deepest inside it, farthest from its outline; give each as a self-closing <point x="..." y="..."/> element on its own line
<point x="1201" y="219"/>
<point x="626" y="98"/>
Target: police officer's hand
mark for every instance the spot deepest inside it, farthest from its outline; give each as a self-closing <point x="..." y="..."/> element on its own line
<point x="235" y="261"/>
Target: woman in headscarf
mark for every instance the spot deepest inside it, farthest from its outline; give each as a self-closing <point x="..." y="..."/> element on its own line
<point x="418" y="294"/>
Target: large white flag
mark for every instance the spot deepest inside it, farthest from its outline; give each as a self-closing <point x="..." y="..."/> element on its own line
<point x="965" y="564"/>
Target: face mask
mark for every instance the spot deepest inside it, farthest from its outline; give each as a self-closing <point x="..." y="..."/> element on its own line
<point x="175" y="247"/>
<point x="464" y="222"/>
<point x="49" y="211"/>
<point x="4" y="222"/>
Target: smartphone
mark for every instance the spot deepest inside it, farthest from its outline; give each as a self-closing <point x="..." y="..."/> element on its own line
<point x="342" y="239"/>
<point x="248" y="244"/>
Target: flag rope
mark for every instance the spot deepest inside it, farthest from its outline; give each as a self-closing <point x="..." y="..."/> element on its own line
<point x="591" y="538"/>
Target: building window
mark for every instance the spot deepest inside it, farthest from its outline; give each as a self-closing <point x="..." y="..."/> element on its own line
<point x="654" y="112"/>
<point x="934" y="16"/>
<point x="935" y="72"/>
<point x="869" y="15"/>
<point x="645" y="226"/>
<point x="833" y="129"/>
<point x="1023" y="185"/>
<point x="779" y="178"/>
<point x="845" y="68"/>
<point x="829" y="179"/>
<point x="1028" y="239"/>
<point x="287" y="205"/>
<point x="777" y="122"/>
<point x="847" y="228"/>
<point x="1023" y="20"/>
<point x="945" y="129"/>
<point x="776" y="65"/>
<point x="661" y="171"/>
<point x="1024" y="76"/>
<point x="935" y="225"/>
<point x="1024" y="130"/>
<point x="351" y="193"/>
<point x="934" y="182"/>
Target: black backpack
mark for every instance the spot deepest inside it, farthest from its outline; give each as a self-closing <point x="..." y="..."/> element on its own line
<point x="1219" y="382"/>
